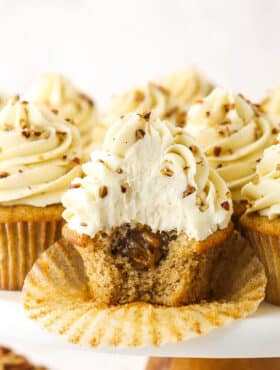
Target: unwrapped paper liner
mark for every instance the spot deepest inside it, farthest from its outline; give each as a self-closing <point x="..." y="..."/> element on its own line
<point x="57" y="295"/>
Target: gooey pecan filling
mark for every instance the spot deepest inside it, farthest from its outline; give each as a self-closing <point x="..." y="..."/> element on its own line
<point x="143" y="247"/>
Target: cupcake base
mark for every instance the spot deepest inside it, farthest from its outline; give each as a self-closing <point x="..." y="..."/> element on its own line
<point x="58" y="296"/>
<point x="131" y="263"/>
<point x="264" y="236"/>
<point x="25" y="232"/>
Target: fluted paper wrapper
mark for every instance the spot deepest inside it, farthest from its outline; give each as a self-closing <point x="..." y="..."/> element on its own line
<point x="267" y="248"/>
<point x="58" y="296"/>
<point x="21" y="243"/>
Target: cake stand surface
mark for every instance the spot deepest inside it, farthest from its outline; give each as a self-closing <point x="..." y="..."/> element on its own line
<point x="256" y="336"/>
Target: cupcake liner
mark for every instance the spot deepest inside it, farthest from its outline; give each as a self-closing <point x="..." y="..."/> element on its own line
<point x="267" y="248"/>
<point x="57" y="295"/>
<point x="21" y="243"/>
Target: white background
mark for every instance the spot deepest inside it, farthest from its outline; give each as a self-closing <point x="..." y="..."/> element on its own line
<point x="105" y="46"/>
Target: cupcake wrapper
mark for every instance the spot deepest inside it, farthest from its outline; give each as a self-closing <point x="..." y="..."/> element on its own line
<point x="57" y="295"/>
<point x="268" y="250"/>
<point x="21" y="243"/>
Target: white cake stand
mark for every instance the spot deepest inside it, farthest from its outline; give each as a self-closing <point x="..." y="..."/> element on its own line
<point x="256" y="336"/>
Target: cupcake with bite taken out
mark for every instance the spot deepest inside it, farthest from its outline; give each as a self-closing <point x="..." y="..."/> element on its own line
<point x="234" y="134"/>
<point x="261" y="222"/>
<point x="149" y="216"/>
<point x="39" y="158"/>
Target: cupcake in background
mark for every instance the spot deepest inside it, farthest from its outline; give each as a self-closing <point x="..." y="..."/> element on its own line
<point x="39" y="157"/>
<point x="148" y="99"/>
<point x="59" y="94"/>
<point x="234" y="134"/>
<point x="271" y="106"/>
<point x="187" y="85"/>
<point x="261" y="222"/>
<point x="3" y="99"/>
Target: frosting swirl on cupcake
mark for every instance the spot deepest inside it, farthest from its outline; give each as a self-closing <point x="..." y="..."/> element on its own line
<point x="263" y="192"/>
<point x="39" y="152"/>
<point x="271" y="106"/>
<point x="233" y="133"/>
<point x="148" y="172"/>
<point x="58" y="93"/>
<point x="187" y="86"/>
<point x="150" y="98"/>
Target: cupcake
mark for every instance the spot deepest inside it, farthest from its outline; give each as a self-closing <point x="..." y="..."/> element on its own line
<point x="38" y="160"/>
<point x="59" y="94"/>
<point x="261" y="222"/>
<point x="233" y="133"/>
<point x="148" y="99"/>
<point x="149" y="247"/>
<point x="150" y="208"/>
<point x="187" y="85"/>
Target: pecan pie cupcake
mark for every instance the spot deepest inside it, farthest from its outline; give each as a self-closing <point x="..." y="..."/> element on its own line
<point x="59" y="94"/>
<point x="150" y="210"/>
<point x="233" y="133"/>
<point x="39" y="158"/>
<point x="148" y="248"/>
<point x="261" y="222"/>
<point x="187" y="85"/>
<point x="150" y="98"/>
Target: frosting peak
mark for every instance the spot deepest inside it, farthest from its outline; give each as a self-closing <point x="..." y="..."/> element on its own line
<point x="150" y="98"/>
<point x="187" y="85"/>
<point x="233" y="133"/>
<point x="58" y="93"/>
<point x="148" y="172"/>
<point x="39" y="152"/>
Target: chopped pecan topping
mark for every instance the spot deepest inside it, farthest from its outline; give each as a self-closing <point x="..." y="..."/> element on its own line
<point x="103" y="191"/>
<point x="189" y="190"/>
<point x="166" y="172"/>
<point x="124" y="187"/>
<point x="140" y="134"/>
<point x="4" y="174"/>
<point x="225" y="205"/>
<point x="217" y="151"/>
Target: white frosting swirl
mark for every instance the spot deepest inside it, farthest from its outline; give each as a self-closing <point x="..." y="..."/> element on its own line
<point x="58" y="93"/>
<point x="150" y="98"/>
<point x="271" y="106"/>
<point x="233" y="133"/>
<point x="152" y="173"/>
<point x="263" y="193"/>
<point x="187" y="85"/>
<point x="39" y="152"/>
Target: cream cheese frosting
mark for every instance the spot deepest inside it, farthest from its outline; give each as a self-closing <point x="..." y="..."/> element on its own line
<point x="149" y="98"/>
<point x="149" y="172"/>
<point x="187" y="85"/>
<point x="233" y="133"/>
<point x="39" y="155"/>
<point x="263" y="193"/>
<point x="271" y="106"/>
<point x="58" y="93"/>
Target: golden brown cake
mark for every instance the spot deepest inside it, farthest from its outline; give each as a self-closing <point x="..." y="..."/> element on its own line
<point x="138" y="265"/>
<point x="151" y="213"/>
<point x="261" y="223"/>
<point x="39" y="158"/>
